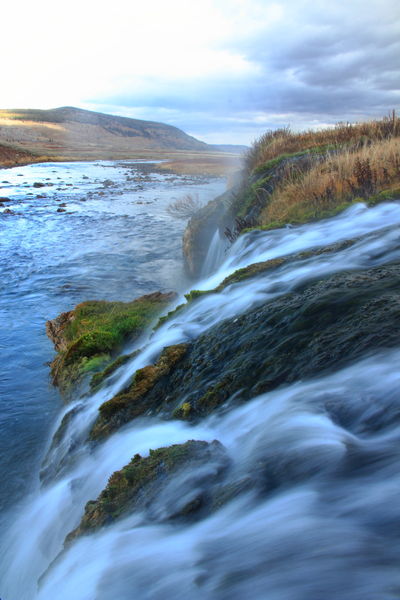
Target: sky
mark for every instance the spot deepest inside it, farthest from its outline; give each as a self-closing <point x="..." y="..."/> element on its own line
<point x="224" y="71"/>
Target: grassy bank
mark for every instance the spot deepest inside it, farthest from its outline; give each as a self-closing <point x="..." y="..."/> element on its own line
<point x="299" y="177"/>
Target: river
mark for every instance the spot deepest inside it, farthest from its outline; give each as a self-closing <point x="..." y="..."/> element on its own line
<point x="115" y="241"/>
<point x="328" y="530"/>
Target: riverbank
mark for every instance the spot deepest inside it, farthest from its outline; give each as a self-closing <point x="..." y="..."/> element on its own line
<point x="180" y="163"/>
<point x="69" y="134"/>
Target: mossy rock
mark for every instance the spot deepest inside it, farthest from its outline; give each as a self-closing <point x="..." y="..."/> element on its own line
<point x="132" y="402"/>
<point x="141" y="485"/>
<point x="320" y="326"/>
<point x="96" y="329"/>
<point x="100" y="377"/>
<point x="254" y="270"/>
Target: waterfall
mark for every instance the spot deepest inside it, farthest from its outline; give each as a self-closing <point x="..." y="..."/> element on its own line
<point x="331" y="455"/>
<point x="215" y="254"/>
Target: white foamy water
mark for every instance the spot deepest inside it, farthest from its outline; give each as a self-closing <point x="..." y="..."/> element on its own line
<point x="318" y="521"/>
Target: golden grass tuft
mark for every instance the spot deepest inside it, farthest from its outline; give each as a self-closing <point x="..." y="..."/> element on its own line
<point x="333" y="182"/>
<point x="283" y="141"/>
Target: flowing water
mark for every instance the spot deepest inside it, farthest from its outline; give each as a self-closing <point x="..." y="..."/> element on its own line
<point x="116" y="241"/>
<point x="328" y="529"/>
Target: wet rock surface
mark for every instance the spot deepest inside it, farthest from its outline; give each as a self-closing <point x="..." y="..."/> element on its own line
<point x="134" y="401"/>
<point x="200" y="230"/>
<point x="85" y="336"/>
<point x="320" y="326"/>
<point x="143" y="485"/>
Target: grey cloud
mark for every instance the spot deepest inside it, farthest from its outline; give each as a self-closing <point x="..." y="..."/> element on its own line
<point x="321" y="64"/>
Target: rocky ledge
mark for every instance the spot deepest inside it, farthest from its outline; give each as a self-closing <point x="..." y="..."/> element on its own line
<point x="144" y="486"/>
<point x="87" y="337"/>
<point x="321" y="325"/>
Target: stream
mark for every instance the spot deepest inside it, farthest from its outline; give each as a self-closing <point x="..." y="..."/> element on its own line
<point x="330" y="528"/>
<point x="115" y="241"/>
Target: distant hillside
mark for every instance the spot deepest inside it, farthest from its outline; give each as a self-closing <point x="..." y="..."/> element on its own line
<point x="11" y="156"/>
<point x="72" y="133"/>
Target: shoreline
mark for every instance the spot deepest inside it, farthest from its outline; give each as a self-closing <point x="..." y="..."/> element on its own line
<point x="216" y="164"/>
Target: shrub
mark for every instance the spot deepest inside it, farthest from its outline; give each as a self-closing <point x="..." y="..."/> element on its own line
<point x="185" y="207"/>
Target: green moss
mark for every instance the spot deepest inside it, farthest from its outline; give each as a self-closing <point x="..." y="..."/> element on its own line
<point x="94" y="364"/>
<point x="131" y="402"/>
<point x="239" y="275"/>
<point x="303" y="213"/>
<point x="250" y="271"/>
<point x="383" y="196"/>
<point x="194" y="294"/>
<point x="125" y="487"/>
<point x="251" y="195"/>
<point x="98" y="378"/>
<point x="169" y="315"/>
<point x="98" y="328"/>
<point x="183" y="412"/>
<point x="274" y="162"/>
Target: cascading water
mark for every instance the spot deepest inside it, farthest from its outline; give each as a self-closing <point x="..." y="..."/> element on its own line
<point x="325" y="525"/>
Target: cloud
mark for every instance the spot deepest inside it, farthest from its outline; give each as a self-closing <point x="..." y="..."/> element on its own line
<point x="220" y="67"/>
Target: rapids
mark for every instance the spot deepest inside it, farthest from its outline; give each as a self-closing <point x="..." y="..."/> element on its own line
<point x="116" y="241"/>
<point x="327" y="529"/>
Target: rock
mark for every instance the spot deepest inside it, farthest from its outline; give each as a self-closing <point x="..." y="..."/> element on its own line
<point x="38" y="184"/>
<point x="55" y="330"/>
<point x="94" y="329"/>
<point x="61" y="210"/>
<point x="131" y="402"/>
<point x="144" y="485"/>
<point x="200" y="230"/>
<point x="8" y="211"/>
<point x="319" y="327"/>
<point x="3" y="199"/>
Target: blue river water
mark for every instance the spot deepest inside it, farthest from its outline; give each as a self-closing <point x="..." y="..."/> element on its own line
<point x="84" y="231"/>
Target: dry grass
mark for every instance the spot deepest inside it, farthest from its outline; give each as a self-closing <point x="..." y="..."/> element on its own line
<point x="218" y="164"/>
<point x="282" y="141"/>
<point x="185" y="207"/>
<point x="335" y="181"/>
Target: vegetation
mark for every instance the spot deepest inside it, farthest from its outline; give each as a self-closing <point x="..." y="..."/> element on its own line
<point x="126" y="488"/>
<point x="334" y="183"/>
<point x="261" y="267"/>
<point x="131" y="402"/>
<point x="299" y="177"/>
<point x="274" y="144"/>
<point x="96" y="329"/>
<point x="184" y="207"/>
<point x="98" y="378"/>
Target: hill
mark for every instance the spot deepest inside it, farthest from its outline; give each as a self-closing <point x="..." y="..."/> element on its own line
<point x="11" y="155"/>
<point x="69" y="133"/>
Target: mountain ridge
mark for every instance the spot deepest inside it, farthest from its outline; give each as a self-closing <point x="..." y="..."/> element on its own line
<point x="69" y="134"/>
